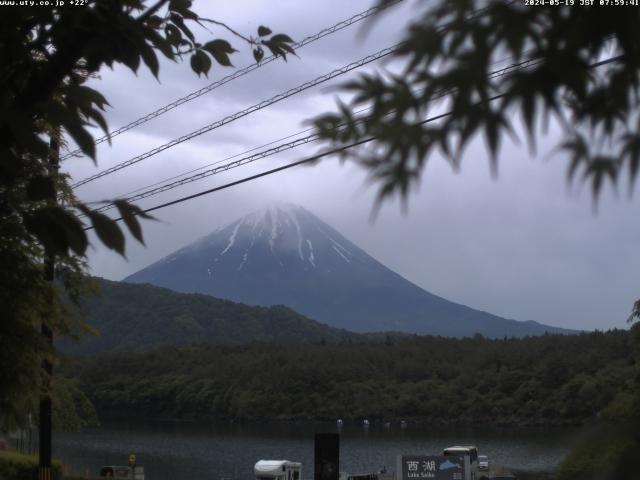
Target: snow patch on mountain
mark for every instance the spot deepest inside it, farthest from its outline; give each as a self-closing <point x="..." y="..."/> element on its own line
<point x="244" y="259"/>
<point x="232" y="238"/>
<point x="274" y="229"/>
<point x="312" y="258"/>
<point x="299" y="231"/>
<point x="341" y="254"/>
<point x="283" y="254"/>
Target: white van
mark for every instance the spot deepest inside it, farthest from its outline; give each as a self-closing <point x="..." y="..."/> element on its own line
<point x="470" y="455"/>
<point x="277" y="470"/>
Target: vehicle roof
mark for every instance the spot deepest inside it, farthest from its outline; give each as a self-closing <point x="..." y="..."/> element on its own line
<point x="271" y="466"/>
<point x="461" y="447"/>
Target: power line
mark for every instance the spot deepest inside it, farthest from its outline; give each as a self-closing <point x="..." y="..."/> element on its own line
<point x="263" y="174"/>
<point x="264" y="104"/>
<point x="311" y="159"/>
<point x="217" y="162"/>
<point x="230" y="118"/>
<point x="324" y="154"/>
<point x="274" y="150"/>
<point x="252" y="177"/>
<point x="228" y="166"/>
<point x="236" y="74"/>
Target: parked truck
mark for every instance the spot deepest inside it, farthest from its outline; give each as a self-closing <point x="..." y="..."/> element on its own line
<point x="470" y="455"/>
<point x="277" y="470"/>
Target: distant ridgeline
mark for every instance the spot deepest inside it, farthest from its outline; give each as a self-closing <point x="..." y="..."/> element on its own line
<point x="133" y="318"/>
<point x="141" y="317"/>
<point x="552" y="379"/>
<point x="285" y="255"/>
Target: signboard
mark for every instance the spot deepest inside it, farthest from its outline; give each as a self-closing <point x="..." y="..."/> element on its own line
<point x="430" y="467"/>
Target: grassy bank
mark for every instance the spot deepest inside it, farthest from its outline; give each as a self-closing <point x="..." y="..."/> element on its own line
<point x="20" y="466"/>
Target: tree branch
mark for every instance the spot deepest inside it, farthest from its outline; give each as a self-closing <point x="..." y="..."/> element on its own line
<point x="153" y="9"/>
<point x="635" y="312"/>
<point x="224" y="25"/>
<point x="40" y="86"/>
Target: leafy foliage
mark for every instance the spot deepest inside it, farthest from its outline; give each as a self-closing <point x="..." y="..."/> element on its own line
<point x="604" y="455"/>
<point x="72" y="410"/>
<point x="551" y="379"/>
<point x="449" y="51"/>
<point x="635" y="312"/>
<point x="47" y="56"/>
<point x="26" y="297"/>
<point x="611" y="449"/>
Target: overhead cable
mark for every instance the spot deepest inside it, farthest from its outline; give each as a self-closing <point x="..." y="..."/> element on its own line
<point x="222" y="168"/>
<point x="230" y="118"/>
<point x="217" y="162"/>
<point x="236" y="74"/>
<point x="265" y="103"/>
<point x="319" y="156"/>
<point x="311" y="159"/>
<point x="160" y="187"/>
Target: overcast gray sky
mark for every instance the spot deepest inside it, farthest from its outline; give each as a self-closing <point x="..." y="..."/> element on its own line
<point x="523" y="246"/>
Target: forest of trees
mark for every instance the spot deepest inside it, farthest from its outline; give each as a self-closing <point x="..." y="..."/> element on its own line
<point x="165" y="317"/>
<point x="552" y="379"/>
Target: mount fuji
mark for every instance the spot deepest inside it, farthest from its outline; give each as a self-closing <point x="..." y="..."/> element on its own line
<point x="284" y="254"/>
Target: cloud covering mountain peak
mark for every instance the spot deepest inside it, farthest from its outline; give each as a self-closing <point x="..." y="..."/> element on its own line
<point x="283" y="254"/>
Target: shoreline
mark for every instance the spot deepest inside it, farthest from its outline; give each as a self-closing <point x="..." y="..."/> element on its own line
<point x="377" y="422"/>
<point x="533" y="452"/>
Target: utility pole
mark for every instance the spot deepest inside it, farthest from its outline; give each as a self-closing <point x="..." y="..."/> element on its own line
<point x="44" y="451"/>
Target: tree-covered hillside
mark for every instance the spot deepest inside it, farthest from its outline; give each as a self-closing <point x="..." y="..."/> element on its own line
<point x="537" y="380"/>
<point x="134" y="317"/>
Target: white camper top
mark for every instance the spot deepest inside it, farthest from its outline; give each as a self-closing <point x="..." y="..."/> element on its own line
<point x="273" y="468"/>
<point x="460" y="448"/>
<point x="470" y="451"/>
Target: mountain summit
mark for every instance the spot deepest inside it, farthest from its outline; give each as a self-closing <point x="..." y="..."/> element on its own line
<point x="283" y="254"/>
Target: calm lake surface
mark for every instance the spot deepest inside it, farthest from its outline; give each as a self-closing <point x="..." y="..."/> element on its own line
<point x="188" y="451"/>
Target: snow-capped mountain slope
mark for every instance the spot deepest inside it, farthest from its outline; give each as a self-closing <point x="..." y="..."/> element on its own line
<point x="283" y="254"/>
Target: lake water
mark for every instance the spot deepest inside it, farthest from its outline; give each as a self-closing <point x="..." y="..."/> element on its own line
<point x="188" y="451"/>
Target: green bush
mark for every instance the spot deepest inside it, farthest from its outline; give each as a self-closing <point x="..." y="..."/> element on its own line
<point x="20" y="466"/>
<point x="610" y="452"/>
